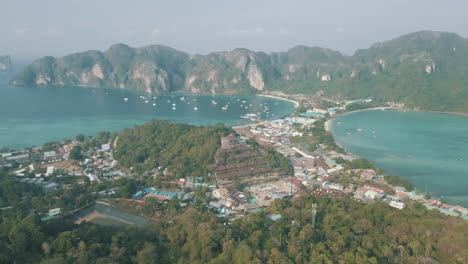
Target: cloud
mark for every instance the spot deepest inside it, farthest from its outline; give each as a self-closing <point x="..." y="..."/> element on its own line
<point x="20" y="31"/>
<point x="155" y="31"/>
<point x="245" y="31"/>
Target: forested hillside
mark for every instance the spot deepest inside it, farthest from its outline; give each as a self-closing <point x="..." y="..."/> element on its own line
<point x="427" y="70"/>
<point x="344" y="232"/>
<point x="183" y="149"/>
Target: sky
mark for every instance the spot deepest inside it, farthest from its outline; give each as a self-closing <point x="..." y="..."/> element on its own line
<point x="32" y="28"/>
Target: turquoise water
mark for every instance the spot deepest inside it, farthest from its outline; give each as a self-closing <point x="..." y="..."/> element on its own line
<point x="430" y="149"/>
<point x="32" y="116"/>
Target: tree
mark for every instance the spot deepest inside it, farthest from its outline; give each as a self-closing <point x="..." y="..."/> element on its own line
<point x="75" y="153"/>
<point x="147" y="255"/>
<point x="80" y="137"/>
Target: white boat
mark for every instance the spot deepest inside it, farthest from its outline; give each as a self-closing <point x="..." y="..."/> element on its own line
<point x="214" y="102"/>
<point x="146" y="101"/>
<point x="195" y="108"/>
<point x="154" y="104"/>
<point x="126" y="99"/>
<point x="173" y="108"/>
<point x="182" y="98"/>
<point x="224" y="108"/>
<point x="359" y="129"/>
<point x="173" y="105"/>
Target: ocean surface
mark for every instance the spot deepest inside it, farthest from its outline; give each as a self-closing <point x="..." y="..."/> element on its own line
<point x="430" y="149"/>
<point x="32" y="116"/>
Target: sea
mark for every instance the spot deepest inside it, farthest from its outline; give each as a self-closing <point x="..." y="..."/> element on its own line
<point x="33" y="116"/>
<point x="429" y="149"/>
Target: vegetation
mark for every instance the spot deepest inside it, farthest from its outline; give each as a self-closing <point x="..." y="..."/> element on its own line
<point x="424" y="70"/>
<point x="183" y="149"/>
<point x="324" y="137"/>
<point x="344" y="232"/>
<point x="397" y="181"/>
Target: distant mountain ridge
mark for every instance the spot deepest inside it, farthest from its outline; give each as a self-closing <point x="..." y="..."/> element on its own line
<point x="5" y="63"/>
<point x="426" y="69"/>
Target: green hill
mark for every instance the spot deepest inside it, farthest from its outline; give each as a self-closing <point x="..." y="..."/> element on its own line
<point x="427" y="70"/>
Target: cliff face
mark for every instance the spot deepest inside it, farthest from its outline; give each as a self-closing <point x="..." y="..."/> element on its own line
<point x="419" y="69"/>
<point x="5" y="63"/>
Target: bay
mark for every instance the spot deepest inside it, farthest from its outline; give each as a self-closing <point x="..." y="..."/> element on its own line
<point x="429" y="149"/>
<point x="32" y="116"/>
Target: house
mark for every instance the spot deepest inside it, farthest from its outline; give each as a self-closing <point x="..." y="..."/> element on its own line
<point x="50" y="155"/>
<point x="370" y="194"/>
<point x="220" y="193"/>
<point x="402" y="196"/>
<point x="92" y="177"/>
<point x="105" y="147"/>
<point x="50" y="187"/>
<point x="369" y="174"/>
<point x="336" y="186"/>
<point x="335" y="169"/>
<point x="19" y="158"/>
<point x="374" y="188"/>
<point x="397" y="205"/>
<point x="330" y="162"/>
<point x="325" y="78"/>
<point x="50" y="171"/>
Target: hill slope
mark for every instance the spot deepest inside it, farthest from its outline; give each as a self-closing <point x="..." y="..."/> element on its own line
<point x="425" y="69"/>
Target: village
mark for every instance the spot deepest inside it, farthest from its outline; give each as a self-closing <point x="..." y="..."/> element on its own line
<point x="243" y="179"/>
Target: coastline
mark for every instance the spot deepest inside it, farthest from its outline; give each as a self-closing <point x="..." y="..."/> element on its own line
<point x="327" y="125"/>
<point x="296" y="104"/>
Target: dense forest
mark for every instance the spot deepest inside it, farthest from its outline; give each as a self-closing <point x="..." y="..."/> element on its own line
<point x="183" y="149"/>
<point x="344" y="232"/>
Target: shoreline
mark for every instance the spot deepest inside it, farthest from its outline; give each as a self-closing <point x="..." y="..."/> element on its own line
<point x="327" y="125"/>
<point x="296" y="104"/>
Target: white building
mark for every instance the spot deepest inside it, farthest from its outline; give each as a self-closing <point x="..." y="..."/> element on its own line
<point x="397" y="205"/>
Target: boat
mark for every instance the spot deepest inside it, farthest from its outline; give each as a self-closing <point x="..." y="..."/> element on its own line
<point x="224" y="108"/>
<point x="359" y="129"/>
<point x="214" y="102"/>
<point x="126" y="99"/>
<point x="146" y="101"/>
<point x="173" y="108"/>
<point x="195" y="108"/>
<point x="182" y="98"/>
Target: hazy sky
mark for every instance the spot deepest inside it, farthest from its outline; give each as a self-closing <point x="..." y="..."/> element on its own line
<point x="58" y="27"/>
